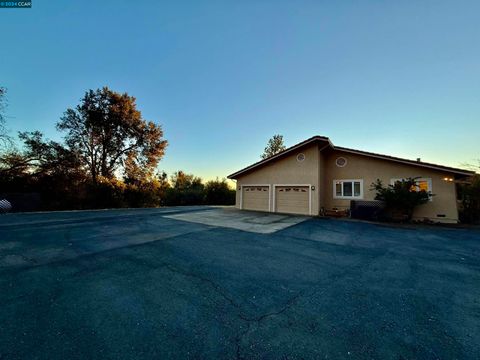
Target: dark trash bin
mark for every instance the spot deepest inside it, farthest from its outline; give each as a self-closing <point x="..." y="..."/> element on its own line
<point x="367" y="210"/>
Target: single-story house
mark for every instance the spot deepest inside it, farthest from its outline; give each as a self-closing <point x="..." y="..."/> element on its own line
<point x="316" y="175"/>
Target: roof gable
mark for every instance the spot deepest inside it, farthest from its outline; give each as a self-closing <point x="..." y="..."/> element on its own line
<point x="286" y="152"/>
<point x="327" y="143"/>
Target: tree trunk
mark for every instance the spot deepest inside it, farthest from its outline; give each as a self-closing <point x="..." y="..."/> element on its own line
<point x="94" y="175"/>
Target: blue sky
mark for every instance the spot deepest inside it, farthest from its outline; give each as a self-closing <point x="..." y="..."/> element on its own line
<point x="400" y="78"/>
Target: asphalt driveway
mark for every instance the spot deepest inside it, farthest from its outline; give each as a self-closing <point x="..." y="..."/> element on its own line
<point x="203" y="283"/>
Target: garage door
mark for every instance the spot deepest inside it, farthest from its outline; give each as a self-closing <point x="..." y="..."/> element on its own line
<point x="255" y="198"/>
<point x="292" y="199"/>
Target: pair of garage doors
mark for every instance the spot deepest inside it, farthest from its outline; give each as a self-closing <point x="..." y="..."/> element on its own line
<point x="291" y="199"/>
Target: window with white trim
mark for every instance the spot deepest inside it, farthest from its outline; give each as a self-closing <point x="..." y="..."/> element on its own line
<point x="421" y="184"/>
<point x="348" y="189"/>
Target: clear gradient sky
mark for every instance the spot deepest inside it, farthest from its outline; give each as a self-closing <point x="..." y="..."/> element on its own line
<point x="395" y="77"/>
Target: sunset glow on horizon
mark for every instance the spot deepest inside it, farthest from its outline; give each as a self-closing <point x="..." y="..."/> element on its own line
<point x="223" y="77"/>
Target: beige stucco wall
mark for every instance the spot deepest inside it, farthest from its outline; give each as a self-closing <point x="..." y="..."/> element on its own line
<point x="370" y="169"/>
<point x="322" y="167"/>
<point x="287" y="171"/>
<point x="319" y="169"/>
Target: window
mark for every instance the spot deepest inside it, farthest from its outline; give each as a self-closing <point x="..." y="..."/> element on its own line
<point x="422" y="184"/>
<point x="348" y="189"/>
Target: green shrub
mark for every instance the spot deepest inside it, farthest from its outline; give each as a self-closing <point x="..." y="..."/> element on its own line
<point x="106" y="193"/>
<point x="401" y="198"/>
<point x="217" y="192"/>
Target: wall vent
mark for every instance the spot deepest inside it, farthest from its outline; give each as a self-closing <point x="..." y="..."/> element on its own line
<point x="341" y="162"/>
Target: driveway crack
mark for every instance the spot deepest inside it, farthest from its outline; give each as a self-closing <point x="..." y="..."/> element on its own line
<point x="213" y="284"/>
<point x="241" y="315"/>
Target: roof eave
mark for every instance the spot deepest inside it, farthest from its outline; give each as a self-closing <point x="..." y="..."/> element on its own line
<point x="408" y="162"/>
<point x="279" y="155"/>
<point x="313" y="139"/>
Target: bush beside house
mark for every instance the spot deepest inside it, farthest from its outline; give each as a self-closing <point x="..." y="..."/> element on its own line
<point x="401" y="198"/>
